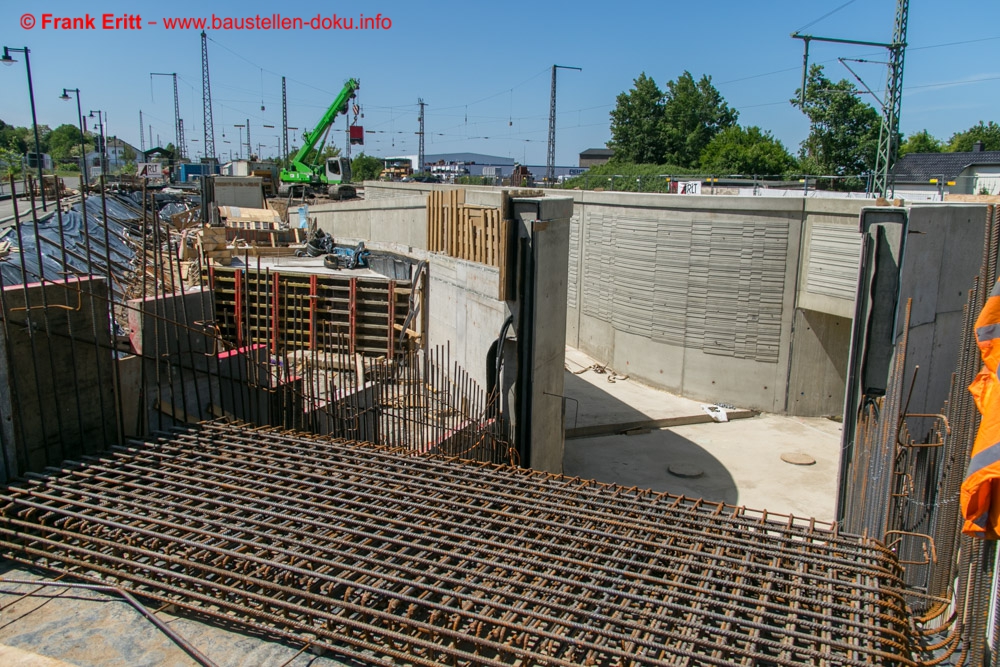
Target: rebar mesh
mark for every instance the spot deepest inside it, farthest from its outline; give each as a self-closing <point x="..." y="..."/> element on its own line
<point x="392" y="558"/>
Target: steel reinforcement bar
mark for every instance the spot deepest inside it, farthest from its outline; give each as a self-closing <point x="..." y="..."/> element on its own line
<point x="390" y="558"/>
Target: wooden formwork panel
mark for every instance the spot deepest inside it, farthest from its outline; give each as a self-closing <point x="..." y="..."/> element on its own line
<point x="473" y="233"/>
<point x="288" y="311"/>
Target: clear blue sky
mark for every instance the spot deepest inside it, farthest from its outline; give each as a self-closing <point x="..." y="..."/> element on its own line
<point x="483" y="68"/>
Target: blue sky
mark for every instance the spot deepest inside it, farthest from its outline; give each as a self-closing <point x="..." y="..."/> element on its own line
<point x="483" y="68"/>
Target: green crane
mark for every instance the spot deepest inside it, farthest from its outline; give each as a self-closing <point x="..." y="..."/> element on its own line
<point x="308" y="170"/>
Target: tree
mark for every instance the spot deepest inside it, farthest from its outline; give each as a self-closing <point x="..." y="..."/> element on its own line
<point x="328" y="151"/>
<point x="13" y="138"/>
<point x="748" y="151"/>
<point x="988" y="134"/>
<point x="10" y="162"/>
<point x="637" y="124"/>
<point x="843" y="130"/>
<point x="693" y="113"/>
<point x="920" y="142"/>
<point x="365" y="168"/>
<point x="64" y="142"/>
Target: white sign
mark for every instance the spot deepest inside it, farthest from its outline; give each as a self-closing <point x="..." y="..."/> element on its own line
<point x="149" y="170"/>
<point x="689" y="188"/>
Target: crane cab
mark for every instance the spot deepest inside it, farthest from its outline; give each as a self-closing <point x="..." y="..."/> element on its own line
<point x="338" y="178"/>
<point x="338" y="169"/>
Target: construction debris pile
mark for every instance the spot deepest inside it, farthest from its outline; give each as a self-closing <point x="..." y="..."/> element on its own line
<point x="394" y="559"/>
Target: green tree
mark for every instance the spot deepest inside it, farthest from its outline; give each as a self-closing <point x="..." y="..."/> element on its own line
<point x="11" y="137"/>
<point x="637" y="124"/>
<point x="693" y="113"/>
<point x="843" y="130"/>
<point x="10" y="162"/>
<point x="962" y="142"/>
<point x="329" y="151"/>
<point x="365" y="168"/>
<point x="64" y="142"/>
<point x="749" y="151"/>
<point x="920" y="142"/>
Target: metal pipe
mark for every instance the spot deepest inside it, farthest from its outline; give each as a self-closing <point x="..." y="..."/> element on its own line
<point x="186" y="646"/>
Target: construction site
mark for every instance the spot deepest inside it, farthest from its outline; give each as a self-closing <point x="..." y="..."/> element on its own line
<point x="267" y="414"/>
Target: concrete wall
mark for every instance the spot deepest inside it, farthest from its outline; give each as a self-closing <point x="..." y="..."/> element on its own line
<point x="399" y="220"/>
<point x="944" y="250"/>
<point x="463" y="311"/>
<point x="706" y="296"/>
<point x="741" y="300"/>
<point x="57" y="388"/>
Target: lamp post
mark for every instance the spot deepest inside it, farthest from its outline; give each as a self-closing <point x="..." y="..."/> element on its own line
<point x="104" y="142"/>
<point x="7" y="60"/>
<point x="79" y="114"/>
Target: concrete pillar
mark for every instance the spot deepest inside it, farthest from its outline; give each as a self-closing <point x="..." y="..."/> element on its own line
<point x="540" y="321"/>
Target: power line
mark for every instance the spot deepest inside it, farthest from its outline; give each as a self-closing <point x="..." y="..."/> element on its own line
<point x="825" y="16"/>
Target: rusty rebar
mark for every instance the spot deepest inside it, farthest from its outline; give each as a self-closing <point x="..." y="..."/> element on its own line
<point x="390" y="558"/>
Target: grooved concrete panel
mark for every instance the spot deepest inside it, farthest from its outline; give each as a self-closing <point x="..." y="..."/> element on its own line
<point x="712" y="285"/>
<point x="573" y="272"/>
<point x="834" y="251"/>
<point x="698" y="295"/>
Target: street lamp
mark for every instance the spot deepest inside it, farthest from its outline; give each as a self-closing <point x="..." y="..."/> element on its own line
<point x="7" y="60"/>
<point x="104" y="141"/>
<point x="79" y="114"/>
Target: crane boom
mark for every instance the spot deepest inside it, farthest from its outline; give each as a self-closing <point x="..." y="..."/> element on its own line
<point x="305" y="167"/>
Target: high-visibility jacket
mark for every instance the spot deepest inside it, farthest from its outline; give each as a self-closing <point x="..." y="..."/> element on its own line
<point x="981" y="488"/>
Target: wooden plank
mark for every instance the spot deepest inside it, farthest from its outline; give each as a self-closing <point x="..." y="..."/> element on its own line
<point x="622" y="427"/>
<point x="430" y="222"/>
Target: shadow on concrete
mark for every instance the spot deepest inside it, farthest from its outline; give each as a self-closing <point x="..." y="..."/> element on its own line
<point x="594" y="406"/>
<point x="643" y="459"/>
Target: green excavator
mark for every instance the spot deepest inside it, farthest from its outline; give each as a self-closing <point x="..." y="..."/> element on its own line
<point x="308" y="172"/>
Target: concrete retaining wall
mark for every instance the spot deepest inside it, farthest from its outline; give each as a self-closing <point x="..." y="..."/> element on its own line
<point x="703" y="295"/>
<point x="740" y="300"/>
<point x="463" y="311"/>
<point x="400" y="220"/>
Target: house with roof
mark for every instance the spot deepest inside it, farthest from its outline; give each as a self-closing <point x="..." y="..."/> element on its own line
<point x="595" y="156"/>
<point x="931" y="175"/>
<point x="119" y="153"/>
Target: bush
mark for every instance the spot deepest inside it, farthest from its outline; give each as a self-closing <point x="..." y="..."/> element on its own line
<point x="623" y="177"/>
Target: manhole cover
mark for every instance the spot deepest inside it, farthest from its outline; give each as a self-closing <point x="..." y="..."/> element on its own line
<point x="684" y="470"/>
<point x="798" y="459"/>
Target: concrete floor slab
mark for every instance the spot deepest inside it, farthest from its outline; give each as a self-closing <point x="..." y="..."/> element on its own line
<point x="740" y="461"/>
<point x="606" y="398"/>
<point x="91" y="629"/>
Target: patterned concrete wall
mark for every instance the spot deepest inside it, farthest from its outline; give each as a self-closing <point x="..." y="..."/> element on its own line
<point x="699" y="294"/>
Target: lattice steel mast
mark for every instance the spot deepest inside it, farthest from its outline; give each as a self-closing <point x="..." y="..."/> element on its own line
<point x="284" y="121"/>
<point x="550" y="159"/>
<point x="420" y="149"/>
<point x="888" y="143"/>
<point x="178" y="123"/>
<point x="206" y="100"/>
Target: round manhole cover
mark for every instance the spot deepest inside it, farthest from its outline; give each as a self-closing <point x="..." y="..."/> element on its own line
<point x="685" y="470"/>
<point x="798" y="459"/>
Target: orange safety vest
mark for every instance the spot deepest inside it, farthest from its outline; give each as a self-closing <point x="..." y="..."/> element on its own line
<point x="981" y="488"/>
